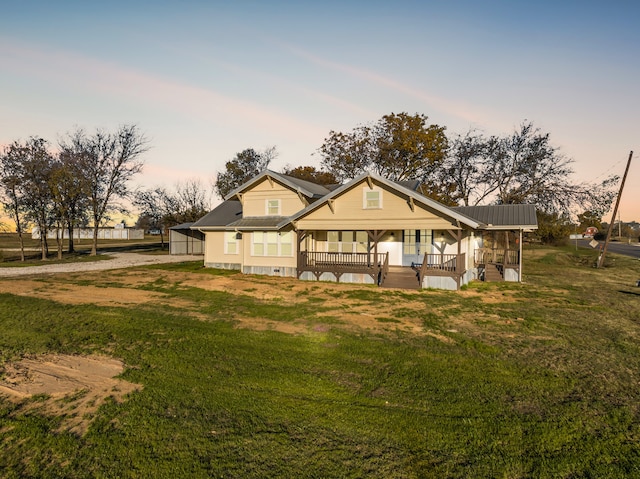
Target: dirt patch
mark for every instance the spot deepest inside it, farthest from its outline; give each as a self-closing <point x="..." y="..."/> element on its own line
<point x="71" y="387"/>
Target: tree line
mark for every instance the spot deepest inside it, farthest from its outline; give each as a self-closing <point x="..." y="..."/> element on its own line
<point x="80" y="183"/>
<point x="458" y="169"/>
<point x="86" y="178"/>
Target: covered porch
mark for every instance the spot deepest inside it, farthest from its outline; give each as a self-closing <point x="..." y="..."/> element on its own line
<point x="500" y="256"/>
<point x="374" y="259"/>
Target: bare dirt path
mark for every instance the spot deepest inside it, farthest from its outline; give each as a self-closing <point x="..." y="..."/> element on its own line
<point x="116" y="261"/>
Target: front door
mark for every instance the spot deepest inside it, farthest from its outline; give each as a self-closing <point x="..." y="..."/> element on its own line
<point x="415" y="243"/>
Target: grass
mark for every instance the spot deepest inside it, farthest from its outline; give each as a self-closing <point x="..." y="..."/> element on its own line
<point x="513" y="380"/>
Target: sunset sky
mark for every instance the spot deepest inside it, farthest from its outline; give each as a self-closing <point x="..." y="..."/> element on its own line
<point x="205" y="80"/>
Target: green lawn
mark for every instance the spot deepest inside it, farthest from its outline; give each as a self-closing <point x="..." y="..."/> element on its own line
<point x="504" y="380"/>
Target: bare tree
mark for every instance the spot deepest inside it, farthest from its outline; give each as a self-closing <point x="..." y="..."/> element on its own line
<point x="193" y="200"/>
<point x="152" y="203"/>
<point x="109" y="161"/>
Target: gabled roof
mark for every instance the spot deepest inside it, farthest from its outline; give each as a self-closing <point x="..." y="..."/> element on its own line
<point x="218" y="218"/>
<point x="310" y="190"/>
<point x="503" y="216"/>
<point x="409" y="193"/>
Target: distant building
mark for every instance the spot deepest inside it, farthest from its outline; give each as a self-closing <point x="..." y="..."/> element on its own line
<point x="119" y="232"/>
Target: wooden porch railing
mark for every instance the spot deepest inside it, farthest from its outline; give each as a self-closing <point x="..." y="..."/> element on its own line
<point x="497" y="256"/>
<point x="340" y="263"/>
<point x="444" y="264"/>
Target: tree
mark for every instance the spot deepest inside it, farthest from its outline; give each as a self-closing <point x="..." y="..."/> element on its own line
<point x="26" y="171"/>
<point x="310" y="173"/>
<point x="152" y="204"/>
<point x="522" y="167"/>
<point x="246" y="164"/>
<point x="465" y="169"/>
<point x="553" y="228"/>
<point x="398" y="146"/>
<point x="12" y="190"/>
<point x="526" y="168"/>
<point x="192" y="201"/>
<point x="589" y="218"/>
<point x="109" y="161"/>
<point x="70" y="190"/>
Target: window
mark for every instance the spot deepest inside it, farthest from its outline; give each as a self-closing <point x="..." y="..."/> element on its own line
<point x="347" y="242"/>
<point x="230" y="243"/>
<point x="272" y="243"/>
<point x="273" y="207"/>
<point x="371" y="199"/>
<point x="417" y="242"/>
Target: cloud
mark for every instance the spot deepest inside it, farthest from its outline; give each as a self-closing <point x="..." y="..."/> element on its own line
<point x="456" y="109"/>
<point x="108" y="79"/>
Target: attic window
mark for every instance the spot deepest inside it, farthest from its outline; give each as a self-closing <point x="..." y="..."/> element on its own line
<point x="273" y="208"/>
<point x="371" y="199"/>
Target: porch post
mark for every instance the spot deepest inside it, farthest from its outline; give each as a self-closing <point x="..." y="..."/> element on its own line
<point x="301" y="236"/>
<point x="520" y="257"/>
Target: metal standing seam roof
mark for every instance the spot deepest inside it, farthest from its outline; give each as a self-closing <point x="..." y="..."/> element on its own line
<point x="261" y="222"/>
<point x="496" y="216"/>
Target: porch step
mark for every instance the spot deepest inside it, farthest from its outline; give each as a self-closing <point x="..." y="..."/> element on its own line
<point x="492" y="273"/>
<point x="401" y="278"/>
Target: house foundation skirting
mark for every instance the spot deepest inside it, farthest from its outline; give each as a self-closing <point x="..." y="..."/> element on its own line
<point x="234" y="266"/>
<point x="284" y="271"/>
<point x="360" y="278"/>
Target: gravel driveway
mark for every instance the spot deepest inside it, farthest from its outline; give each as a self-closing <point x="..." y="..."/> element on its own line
<point x="116" y="261"/>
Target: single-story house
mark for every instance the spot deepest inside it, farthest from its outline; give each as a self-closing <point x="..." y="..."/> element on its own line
<point x="369" y="230"/>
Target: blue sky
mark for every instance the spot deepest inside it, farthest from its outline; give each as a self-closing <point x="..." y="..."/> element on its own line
<point x="205" y="80"/>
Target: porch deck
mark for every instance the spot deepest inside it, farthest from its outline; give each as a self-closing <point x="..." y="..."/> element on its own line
<point x="374" y="265"/>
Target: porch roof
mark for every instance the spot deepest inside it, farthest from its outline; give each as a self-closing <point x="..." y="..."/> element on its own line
<point x="259" y="223"/>
<point x="503" y="217"/>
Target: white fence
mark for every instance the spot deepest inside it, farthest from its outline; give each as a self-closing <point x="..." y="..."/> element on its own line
<point x="87" y="233"/>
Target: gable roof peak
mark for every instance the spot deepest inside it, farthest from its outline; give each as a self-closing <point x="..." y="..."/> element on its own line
<point x="306" y="188"/>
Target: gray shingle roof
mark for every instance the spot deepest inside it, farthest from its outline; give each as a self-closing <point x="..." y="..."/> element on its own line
<point x="182" y="226"/>
<point x="317" y="190"/>
<point x="497" y="216"/>
<point x="223" y="214"/>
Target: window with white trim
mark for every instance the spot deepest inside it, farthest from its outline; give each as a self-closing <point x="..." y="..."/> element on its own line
<point x="273" y="208"/>
<point x="230" y="242"/>
<point x="272" y="243"/>
<point x="371" y="199"/>
<point x="347" y="241"/>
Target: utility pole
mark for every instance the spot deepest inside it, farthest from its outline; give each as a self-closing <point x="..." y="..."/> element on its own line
<point x="613" y="217"/>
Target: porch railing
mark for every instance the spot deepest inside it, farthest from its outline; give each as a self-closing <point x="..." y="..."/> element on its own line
<point x="497" y="256"/>
<point x="340" y="263"/>
<point x="446" y="263"/>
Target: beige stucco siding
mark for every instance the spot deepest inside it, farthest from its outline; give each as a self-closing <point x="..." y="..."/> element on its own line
<point x="254" y="202"/>
<point x="350" y="214"/>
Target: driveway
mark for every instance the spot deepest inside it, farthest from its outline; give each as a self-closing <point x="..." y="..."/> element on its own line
<point x="116" y="261"/>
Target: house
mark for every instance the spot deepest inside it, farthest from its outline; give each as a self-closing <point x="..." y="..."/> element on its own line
<point x="369" y="230"/>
